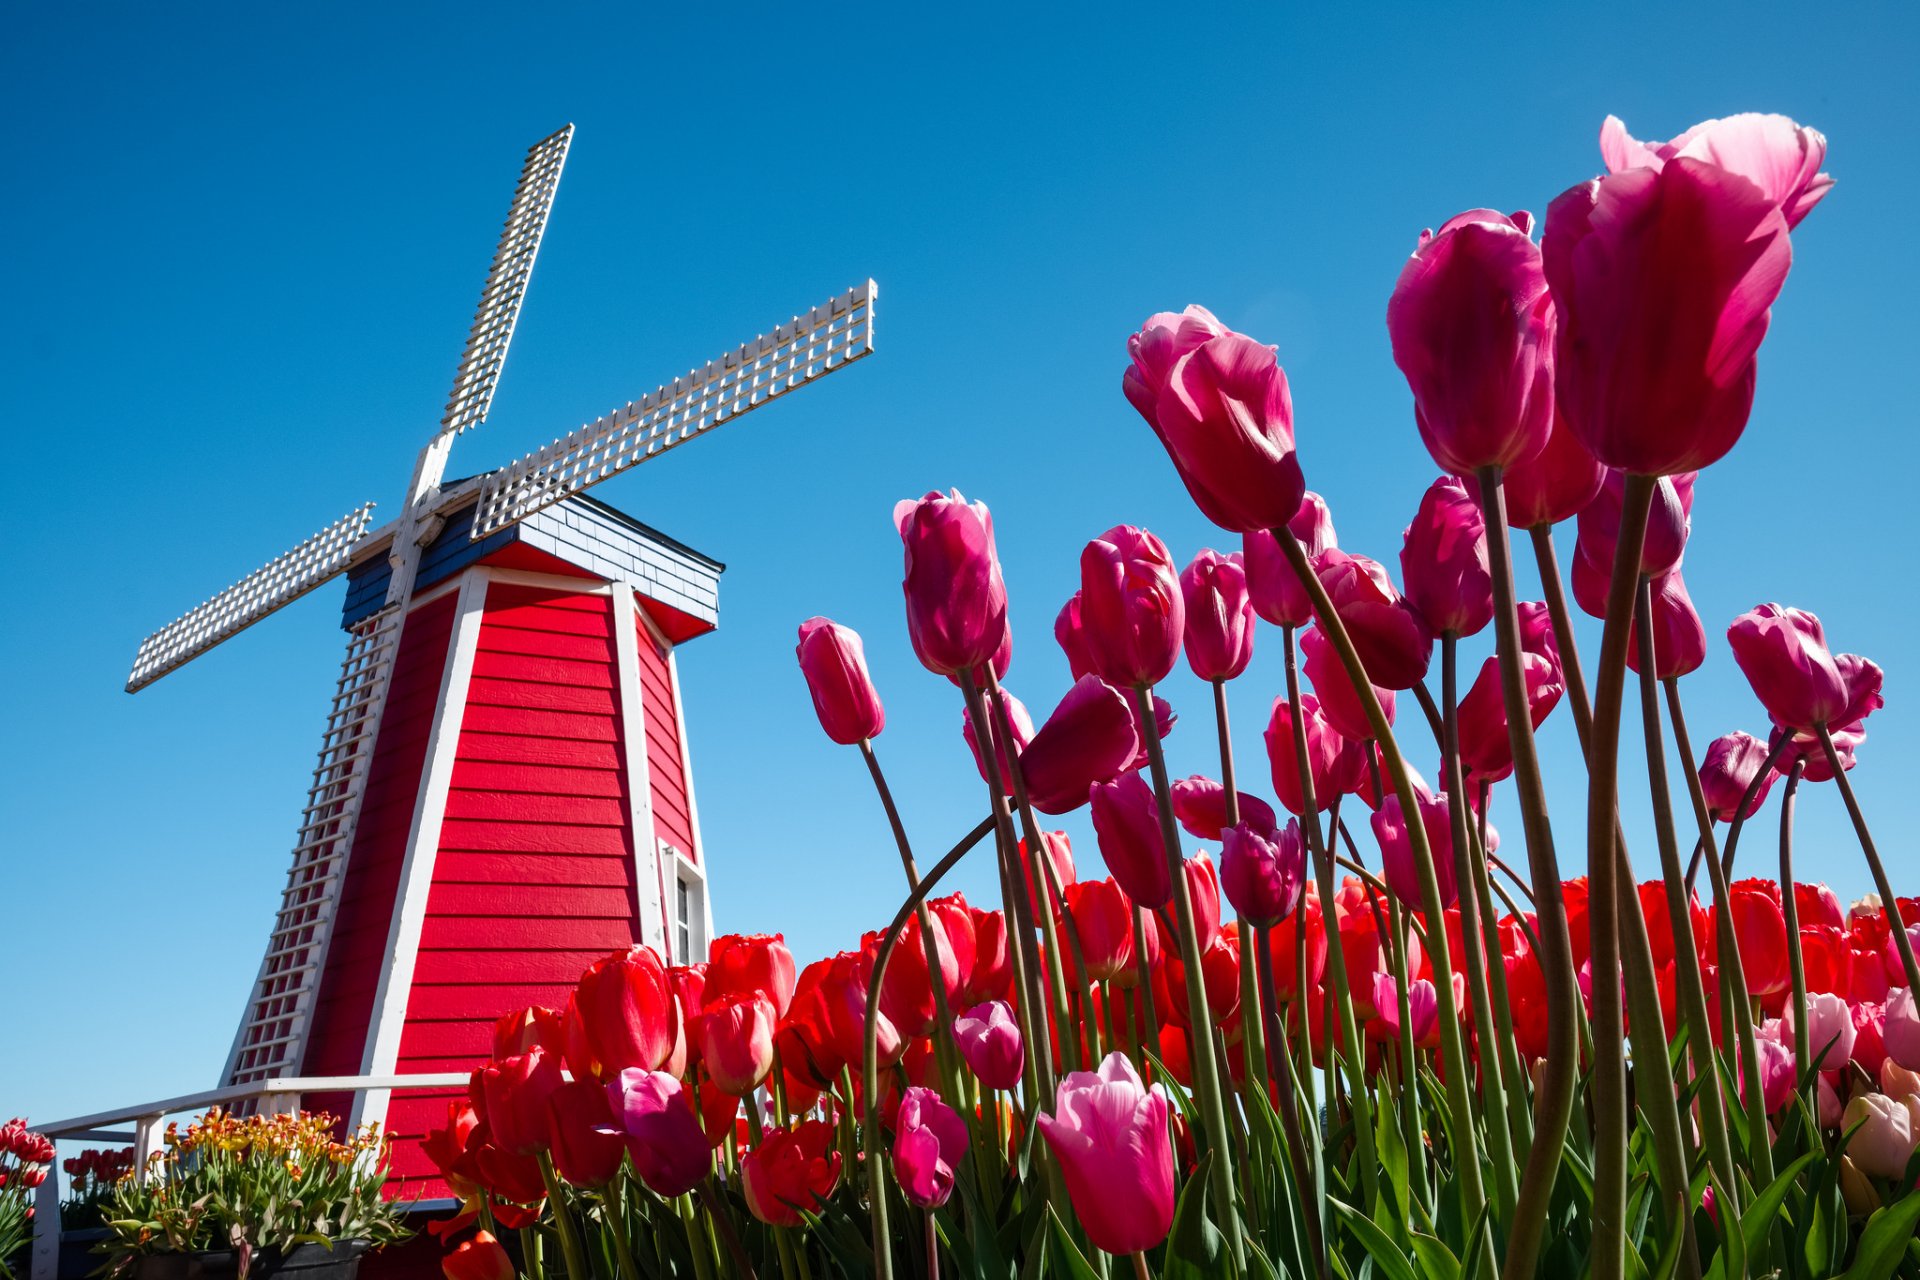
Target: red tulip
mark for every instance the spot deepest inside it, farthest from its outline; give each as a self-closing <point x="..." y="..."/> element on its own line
<point x="1338" y="700"/>
<point x="1554" y="485"/>
<point x="689" y="985"/>
<point x="1679" y="637"/>
<point x="956" y="599"/>
<point x="1022" y="725"/>
<point x="834" y="663"/>
<point x="1131" y="604"/>
<point x="1278" y="595"/>
<point x="1219" y="623"/>
<point x="906" y="992"/>
<point x="1103" y="918"/>
<point x="1662" y="280"/>
<point x="1783" y="653"/>
<point x="1817" y="905"/>
<point x="1653" y="906"/>
<point x="587" y="1147"/>
<point x="1396" y="847"/>
<point x="1284" y="948"/>
<point x="1827" y="959"/>
<point x="1203" y="890"/>
<point x="479" y="1257"/>
<point x="1761" y="930"/>
<point x="1444" y="561"/>
<point x="1262" y="874"/>
<point x="626" y="1012"/>
<point x="1090" y="737"/>
<point x="517" y="1032"/>
<point x="1527" y="997"/>
<point x="1070" y="633"/>
<point x="1392" y="641"/>
<point x="989" y="1039"/>
<point x="1218" y="402"/>
<point x="992" y="966"/>
<point x="512" y="1094"/>
<point x="791" y="1169"/>
<point x="1059" y="857"/>
<point x="1733" y="760"/>
<point x="1472" y="328"/>
<point x="736" y="1041"/>
<point x="1126" y="818"/>
<point x="1780" y="157"/>
<point x="1862" y="679"/>
<point x="664" y="1137"/>
<point x="741" y="963"/>
<point x="956" y="921"/>
<point x="1200" y="806"/>
<point x="446" y="1146"/>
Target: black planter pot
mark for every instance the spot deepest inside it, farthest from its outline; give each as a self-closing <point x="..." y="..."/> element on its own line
<point x="302" y="1262"/>
<point x="77" y="1258"/>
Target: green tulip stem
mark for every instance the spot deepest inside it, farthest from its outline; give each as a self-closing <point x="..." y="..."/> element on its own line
<point x="1206" y="1078"/>
<point x="530" y="1253"/>
<point x="617" y="1228"/>
<point x="1888" y="903"/>
<point x="1280" y="1064"/>
<point x="571" y="1246"/>
<point x="696" y="1238"/>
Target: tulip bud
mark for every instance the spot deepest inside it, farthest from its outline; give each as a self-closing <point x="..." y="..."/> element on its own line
<point x="521" y="1030"/>
<point x="1339" y="702"/>
<point x="956" y="600"/>
<point x="1126" y="818"/>
<point x="736" y="1041"/>
<point x="1200" y="806"/>
<point x="1901" y="1032"/>
<point x="1486" y="746"/>
<point x="834" y="663"/>
<point x="1022" y="724"/>
<point x="989" y="1039"/>
<point x="1444" y="561"/>
<point x="1131" y="605"/>
<point x="1276" y="590"/>
<point x="740" y="963"/>
<point x="1219" y="623"/>
<point x="1090" y="737"/>
<point x="1069" y="633"/>
<point x="513" y="1094"/>
<point x="791" y="1169"/>
<point x="1393" y="643"/>
<point x="929" y="1139"/>
<point x="626" y="1012"/>
<point x="587" y="1148"/>
<point x="1783" y="653"/>
<point x="1679" y="637"/>
<point x="1262" y="875"/>
<point x="1396" y="847"/>
<point x="1830" y="1030"/>
<point x="1733" y="760"/>
<point x="1103" y="919"/>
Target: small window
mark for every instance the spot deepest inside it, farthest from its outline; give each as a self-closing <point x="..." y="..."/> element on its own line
<point x="683" y="941"/>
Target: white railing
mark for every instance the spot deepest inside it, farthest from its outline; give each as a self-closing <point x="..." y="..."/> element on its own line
<point x="149" y="1127"/>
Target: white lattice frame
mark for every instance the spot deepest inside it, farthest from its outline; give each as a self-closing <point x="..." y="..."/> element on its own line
<point x="271" y="587"/>
<point x="826" y="339"/>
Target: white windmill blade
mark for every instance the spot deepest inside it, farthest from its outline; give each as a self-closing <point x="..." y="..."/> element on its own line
<point x="809" y="347"/>
<point x="506" y="286"/>
<point x="266" y="590"/>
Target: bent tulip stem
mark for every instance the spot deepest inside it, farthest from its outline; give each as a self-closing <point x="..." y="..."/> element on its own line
<point x="1738" y="822"/>
<point x="1888" y="902"/>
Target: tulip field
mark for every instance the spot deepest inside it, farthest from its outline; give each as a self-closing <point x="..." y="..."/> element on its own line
<point x="1319" y="1019"/>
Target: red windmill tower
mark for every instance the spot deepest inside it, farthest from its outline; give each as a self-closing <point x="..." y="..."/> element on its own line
<point x="503" y="791"/>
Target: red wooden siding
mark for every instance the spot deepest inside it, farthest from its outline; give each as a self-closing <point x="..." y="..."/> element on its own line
<point x="534" y="878"/>
<point x="343" y="1006"/>
<point x="666" y="765"/>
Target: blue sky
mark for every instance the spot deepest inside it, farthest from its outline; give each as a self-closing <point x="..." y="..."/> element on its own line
<point x="246" y="246"/>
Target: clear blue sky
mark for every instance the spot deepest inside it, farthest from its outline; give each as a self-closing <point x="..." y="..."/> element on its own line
<point x="245" y="244"/>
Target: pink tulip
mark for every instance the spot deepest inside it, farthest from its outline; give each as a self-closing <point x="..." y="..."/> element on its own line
<point x="1110" y="1135"/>
<point x="1218" y="402"/>
<point x="1733" y="760"/>
<point x="1783" y="653"/>
<point x="1472" y="329"/>
<point x="835" y="665"/>
<point x="1901" y="1031"/>
<point x="1022" y="722"/>
<point x="1899" y="1083"/>
<point x="1554" y="485"/>
<point x="989" y="1039"/>
<point x="1337" y="764"/>
<point x="736" y="1041"/>
<point x="1885" y="1140"/>
<point x="664" y="1137"/>
<point x="1393" y="643"/>
<point x="1126" y="819"/>
<point x="1780" y="157"/>
<point x="1090" y="737"/>
<point x="1423" y="1008"/>
<point x="1486" y="747"/>
<point x="956" y="599"/>
<point x="1262" y="873"/>
<point x="1070" y="634"/>
<point x="1339" y="702"/>
<point x="1219" y="625"/>
<point x="1131" y="607"/>
<point x="1278" y="595"/>
<point x="1777" y="1074"/>
<point x="1679" y="637"/>
<point x="1200" y="805"/>
<point x="1396" y="847"/>
<point x="1662" y="280"/>
<point x="929" y="1139"/>
<point x="1830" y="1030"/>
<point x="1444" y="561"/>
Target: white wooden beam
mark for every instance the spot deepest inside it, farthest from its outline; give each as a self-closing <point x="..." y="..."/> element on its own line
<point x="650" y="889"/>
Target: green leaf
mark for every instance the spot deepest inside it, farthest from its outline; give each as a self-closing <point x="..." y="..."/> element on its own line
<point x="1435" y="1259"/>
<point x="1073" y="1263"/>
<point x="1667" y="1265"/>
<point x="1385" y="1254"/>
<point x="1885" y="1240"/>
<point x="1195" y="1247"/>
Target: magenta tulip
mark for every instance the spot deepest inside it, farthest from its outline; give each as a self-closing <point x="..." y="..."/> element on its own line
<point x="929" y="1137"/>
<point x="835" y="665"/>
<point x="1091" y="737"/>
<point x="1733" y="760"/>
<point x="1472" y="329"/>
<point x="1278" y="595"/>
<point x="1218" y="402"/>
<point x="1780" y="157"/>
<point x="1486" y="747"/>
<point x="989" y="1038"/>
<point x="1555" y="484"/>
<point x="1669" y="522"/>
<point x="1396" y="847"/>
<point x="1131" y="607"/>
<point x="1261" y="874"/>
<point x="1200" y="805"/>
<point x="664" y="1137"/>
<point x="1679" y="637"/>
<point x="1022" y="723"/>
<point x="956" y="600"/>
<point x="1164" y="718"/>
<point x="1393" y="643"/>
<point x="1334" y="760"/>
<point x="1219" y="624"/>
<point x="1126" y="820"/>
<point x="1662" y="280"/>
<point x="1110" y="1135"/>
<point x="1443" y="561"/>
<point x="1068" y="633"/>
<point x="1339" y="702"/>
<point x="1783" y="653"/>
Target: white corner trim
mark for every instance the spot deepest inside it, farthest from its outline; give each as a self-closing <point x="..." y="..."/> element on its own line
<point x="423" y="847"/>
<point x="551" y="581"/>
<point x="650" y="889"/>
<point x="693" y="805"/>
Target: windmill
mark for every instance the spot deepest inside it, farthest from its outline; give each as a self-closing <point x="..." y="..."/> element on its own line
<point x="502" y="790"/>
